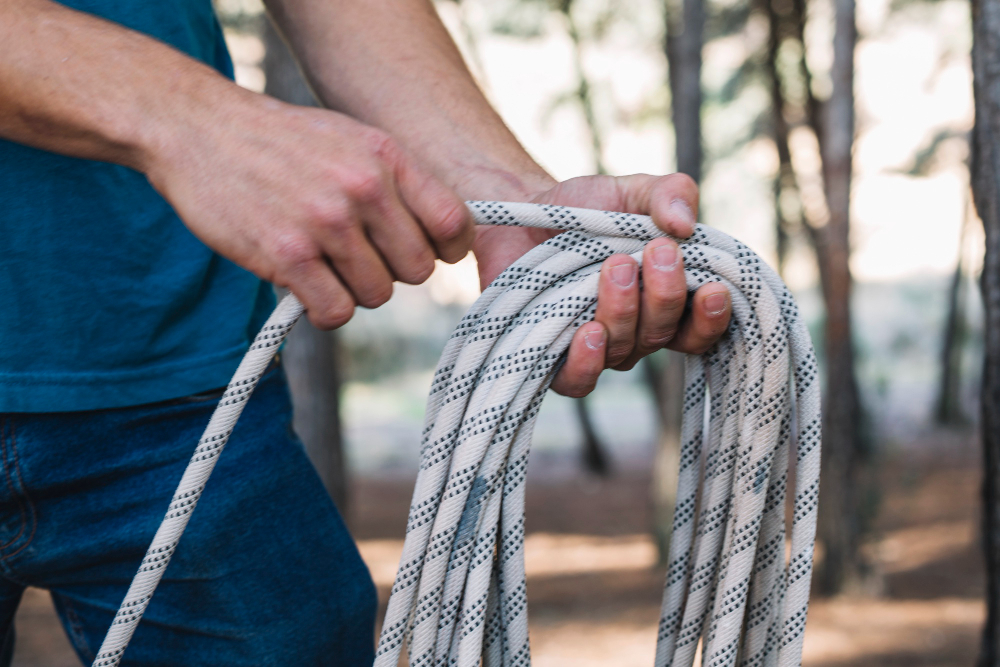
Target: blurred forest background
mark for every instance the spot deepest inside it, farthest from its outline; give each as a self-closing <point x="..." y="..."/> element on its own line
<point x="833" y="139"/>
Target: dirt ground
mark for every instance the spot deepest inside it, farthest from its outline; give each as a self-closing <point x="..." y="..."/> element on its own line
<point x="594" y="589"/>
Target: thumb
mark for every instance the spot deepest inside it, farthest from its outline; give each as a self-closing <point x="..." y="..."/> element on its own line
<point x="672" y="200"/>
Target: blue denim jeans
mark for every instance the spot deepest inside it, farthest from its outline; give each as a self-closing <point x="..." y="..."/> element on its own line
<point x="266" y="573"/>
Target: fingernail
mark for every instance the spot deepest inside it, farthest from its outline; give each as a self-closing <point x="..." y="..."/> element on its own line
<point x="715" y="304"/>
<point x="623" y="275"/>
<point x="682" y="215"/>
<point x="665" y="257"/>
<point x="595" y="339"/>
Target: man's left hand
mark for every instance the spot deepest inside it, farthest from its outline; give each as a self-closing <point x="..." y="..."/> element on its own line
<point x="629" y="323"/>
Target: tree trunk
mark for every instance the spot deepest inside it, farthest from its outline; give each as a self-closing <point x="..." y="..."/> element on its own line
<point x="594" y="458"/>
<point x="310" y="355"/>
<point x="583" y="92"/>
<point x="841" y="518"/>
<point x="986" y="191"/>
<point x="685" y="21"/>
<point x="848" y="498"/>
<point x="948" y="410"/>
<point x="787" y="202"/>
<point x="668" y="392"/>
<point x="685" y="30"/>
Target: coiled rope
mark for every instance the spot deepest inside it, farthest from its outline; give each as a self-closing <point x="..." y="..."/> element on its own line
<point x="460" y="593"/>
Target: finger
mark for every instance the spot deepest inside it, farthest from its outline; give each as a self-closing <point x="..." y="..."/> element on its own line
<point x="399" y="238"/>
<point x="672" y="201"/>
<point x="371" y="201"/>
<point x="618" y="305"/>
<point x="584" y="362"/>
<point x="661" y="304"/>
<point x="441" y="213"/>
<point x="343" y="241"/>
<point x="302" y="270"/>
<point x="711" y="308"/>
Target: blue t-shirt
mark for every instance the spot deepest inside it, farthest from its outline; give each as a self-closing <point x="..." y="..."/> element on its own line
<point x="106" y="298"/>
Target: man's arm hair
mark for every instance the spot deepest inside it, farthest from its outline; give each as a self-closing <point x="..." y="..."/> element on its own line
<point x="392" y="64"/>
<point x="76" y="84"/>
<point x="309" y="199"/>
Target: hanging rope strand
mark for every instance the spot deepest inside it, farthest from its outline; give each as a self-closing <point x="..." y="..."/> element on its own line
<point x="460" y="593"/>
<point x="192" y="483"/>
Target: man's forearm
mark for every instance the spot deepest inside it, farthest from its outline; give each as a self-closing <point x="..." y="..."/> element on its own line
<point x="392" y="64"/>
<point x="309" y="199"/>
<point x="81" y="86"/>
<point x="312" y="199"/>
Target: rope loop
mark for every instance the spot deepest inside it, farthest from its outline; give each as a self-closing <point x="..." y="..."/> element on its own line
<point x="459" y="598"/>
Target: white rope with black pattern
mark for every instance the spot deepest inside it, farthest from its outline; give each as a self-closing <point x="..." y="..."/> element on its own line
<point x="460" y="593"/>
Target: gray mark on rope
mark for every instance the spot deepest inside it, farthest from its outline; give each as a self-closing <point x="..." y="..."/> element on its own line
<point x="467" y="527"/>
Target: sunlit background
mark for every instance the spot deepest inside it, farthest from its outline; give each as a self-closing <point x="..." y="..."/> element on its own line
<point x="910" y="194"/>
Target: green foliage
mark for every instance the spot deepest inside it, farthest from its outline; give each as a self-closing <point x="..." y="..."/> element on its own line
<point x="900" y="5"/>
<point x="519" y="18"/>
<point x="751" y="72"/>
<point x="726" y="20"/>
<point x="926" y="158"/>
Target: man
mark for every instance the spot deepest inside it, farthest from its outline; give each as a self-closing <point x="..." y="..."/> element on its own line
<point x="136" y="180"/>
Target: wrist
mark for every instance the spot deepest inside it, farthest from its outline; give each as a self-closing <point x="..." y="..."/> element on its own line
<point x="497" y="247"/>
<point x="488" y="182"/>
<point x="175" y="129"/>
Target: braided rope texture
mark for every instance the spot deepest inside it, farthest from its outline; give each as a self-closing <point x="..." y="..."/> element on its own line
<point x="460" y="594"/>
<point x="192" y="483"/>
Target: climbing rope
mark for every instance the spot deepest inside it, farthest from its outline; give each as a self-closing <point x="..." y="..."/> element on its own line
<point x="460" y="593"/>
<point x="192" y="483"/>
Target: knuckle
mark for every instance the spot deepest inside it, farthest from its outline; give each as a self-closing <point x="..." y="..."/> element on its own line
<point x="363" y="184"/>
<point x="625" y="309"/>
<point x="328" y="213"/>
<point x="451" y="219"/>
<point x="682" y="183"/>
<point x="381" y="143"/>
<point x="378" y="296"/>
<point x="332" y="317"/>
<point x="418" y="270"/>
<point x="617" y="352"/>
<point x="682" y="180"/>
<point x="665" y="293"/>
<point x="578" y="389"/>
<point x="628" y="364"/>
<point x="672" y="297"/>
<point x="656" y="340"/>
<point x="292" y="252"/>
<point x="667" y="307"/>
<point x="700" y="344"/>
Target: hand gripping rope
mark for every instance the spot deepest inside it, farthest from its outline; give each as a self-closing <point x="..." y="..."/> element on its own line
<point x="460" y="593"/>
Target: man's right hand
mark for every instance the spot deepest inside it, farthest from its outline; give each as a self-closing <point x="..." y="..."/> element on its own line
<point x="311" y="200"/>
